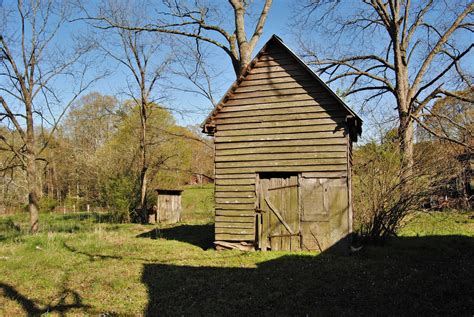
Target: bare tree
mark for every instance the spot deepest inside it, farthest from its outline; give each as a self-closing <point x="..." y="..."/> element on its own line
<point x="192" y="65"/>
<point x="140" y="54"/>
<point x="204" y="21"/>
<point x="412" y="52"/>
<point x="384" y="202"/>
<point x="31" y="60"/>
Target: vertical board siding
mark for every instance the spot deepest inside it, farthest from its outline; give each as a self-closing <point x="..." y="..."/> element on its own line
<point x="278" y="119"/>
<point x="169" y="208"/>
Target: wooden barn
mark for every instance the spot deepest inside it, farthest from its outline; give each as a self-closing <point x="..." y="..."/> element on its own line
<point x="283" y="142"/>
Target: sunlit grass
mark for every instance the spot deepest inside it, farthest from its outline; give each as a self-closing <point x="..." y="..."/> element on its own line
<point x="439" y="223"/>
<point x="79" y="264"/>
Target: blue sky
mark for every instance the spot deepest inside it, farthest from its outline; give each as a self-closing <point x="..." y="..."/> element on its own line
<point x="193" y="108"/>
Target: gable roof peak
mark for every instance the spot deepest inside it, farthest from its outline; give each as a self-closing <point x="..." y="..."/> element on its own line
<point x="208" y="122"/>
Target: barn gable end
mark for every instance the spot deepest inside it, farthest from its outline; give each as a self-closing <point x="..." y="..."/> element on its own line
<point x="280" y="124"/>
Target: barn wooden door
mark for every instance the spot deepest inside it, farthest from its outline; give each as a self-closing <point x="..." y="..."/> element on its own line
<point x="325" y="212"/>
<point x="278" y="217"/>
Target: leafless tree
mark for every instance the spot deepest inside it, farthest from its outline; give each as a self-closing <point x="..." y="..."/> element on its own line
<point x="383" y="202"/>
<point x="192" y="65"/>
<point x="31" y="63"/>
<point x="413" y="52"/>
<point x="141" y="55"/>
<point x="204" y="21"/>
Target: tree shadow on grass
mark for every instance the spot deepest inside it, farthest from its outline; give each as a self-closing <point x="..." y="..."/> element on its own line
<point x="92" y="256"/>
<point x="426" y="275"/>
<point x="198" y="235"/>
<point x="67" y="300"/>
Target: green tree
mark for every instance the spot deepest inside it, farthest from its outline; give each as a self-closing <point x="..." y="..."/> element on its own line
<point x="411" y="52"/>
<point x="30" y="65"/>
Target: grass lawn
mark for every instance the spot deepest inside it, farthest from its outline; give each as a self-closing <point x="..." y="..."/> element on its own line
<point x="80" y="265"/>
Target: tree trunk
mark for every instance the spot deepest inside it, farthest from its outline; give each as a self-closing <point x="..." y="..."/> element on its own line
<point x="403" y="95"/>
<point x="144" y="167"/>
<point x="244" y="60"/>
<point x="143" y="189"/>
<point x="33" y="179"/>
<point x="405" y="133"/>
<point x="34" y="192"/>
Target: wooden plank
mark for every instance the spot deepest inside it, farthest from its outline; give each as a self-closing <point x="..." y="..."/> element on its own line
<point x="235" y="213"/>
<point x="241" y="188"/>
<point x="284" y="243"/>
<point x="324" y="174"/>
<point x="280" y="130"/>
<point x="274" y="225"/>
<point x="276" y="74"/>
<point x="275" y="156"/>
<point x="330" y="111"/>
<point x="279" y="98"/>
<point x="280" y="143"/>
<point x="243" y="181"/>
<point x="293" y="217"/>
<point x="234" y="237"/>
<point x="287" y="162"/>
<point x="276" y="80"/>
<point x="235" y="200"/>
<point x="281" y="137"/>
<point x="231" y="206"/>
<point x="278" y="215"/>
<point x="234" y="176"/>
<point x="312" y="193"/>
<point x="236" y="119"/>
<point x="280" y="83"/>
<point x="296" y="168"/>
<point x="235" y="219"/>
<point x="264" y="63"/>
<point x="280" y="150"/>
<point x="275" y="92"/>
<point x="282" y="187"/>
<point x="235" y="230"/>
<point x="273" y="69"/>
<point x="269" y="86"/>
<point x="275" y="54"/>
<point x="247" y="225"/>
<point x="284" y="57"/>
<point x="235" y="194"/>
<point x="281" y="124"/>
<point x="319" y="105"/>
<point x="258" y="219"/>
<point x="263" y="185"/>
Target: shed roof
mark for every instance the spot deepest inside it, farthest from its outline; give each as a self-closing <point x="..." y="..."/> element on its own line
<point x="208" y="122"/>
<point x="162" y="191"/>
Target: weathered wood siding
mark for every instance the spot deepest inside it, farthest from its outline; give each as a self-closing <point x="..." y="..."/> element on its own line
<point x="169" y="208"/>
<point x="279" y="119"/>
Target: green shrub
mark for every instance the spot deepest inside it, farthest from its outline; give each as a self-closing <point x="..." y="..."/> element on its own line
<point x="382" y="197"/>
<point x="47" y="204"/>
<point x="121" y="198"/>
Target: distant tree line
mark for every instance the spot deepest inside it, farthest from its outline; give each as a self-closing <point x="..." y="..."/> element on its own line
<point x="93" y="160"/>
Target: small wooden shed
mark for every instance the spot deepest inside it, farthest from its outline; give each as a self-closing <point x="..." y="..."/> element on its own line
<point x="283" y="143"/>
<point x="168" y="206"/>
